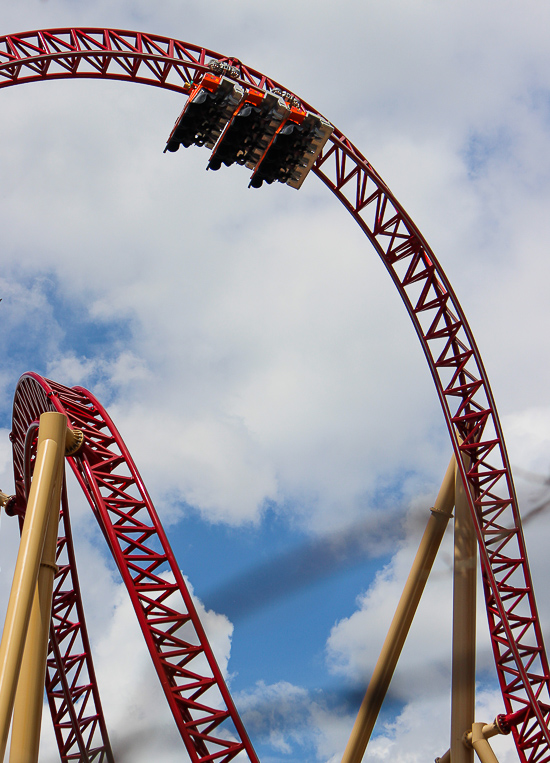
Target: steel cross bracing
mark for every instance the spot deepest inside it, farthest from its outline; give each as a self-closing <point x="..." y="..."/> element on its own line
<point x="111" y="54"/>
<point x="195" y="689"/>
<point x="454" y="360"/>
<point x="70" y="677"/>
<point x="474" y="426"/>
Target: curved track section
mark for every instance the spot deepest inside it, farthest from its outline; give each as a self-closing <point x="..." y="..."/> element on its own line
<point x="190" y="677"/>
<point x="71" y="685"/>
<point x="448" y="343"/>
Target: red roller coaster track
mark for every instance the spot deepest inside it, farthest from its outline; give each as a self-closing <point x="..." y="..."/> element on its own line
<point x="195" y="689"/>
<point x="455" y="362"/>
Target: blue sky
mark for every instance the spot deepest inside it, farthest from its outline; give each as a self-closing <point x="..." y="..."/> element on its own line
<point x="261" y="329"/>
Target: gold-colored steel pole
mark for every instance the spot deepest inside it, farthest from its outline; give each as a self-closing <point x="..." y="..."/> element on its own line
<point x="27" y="713"/>
<point x="30" y="665"/>
<point x="48" y="460"/>
<point x="402" y="620"/>
<point x="480" y="731"/>
<point x="478" y="739"/>
<point x="464" y="627"/>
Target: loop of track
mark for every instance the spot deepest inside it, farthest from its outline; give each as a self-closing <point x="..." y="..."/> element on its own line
<point x="454" y="359"/>
<point x="190" y="677"/>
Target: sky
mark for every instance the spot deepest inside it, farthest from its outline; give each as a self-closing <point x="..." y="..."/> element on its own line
<point x="257" y="360"/>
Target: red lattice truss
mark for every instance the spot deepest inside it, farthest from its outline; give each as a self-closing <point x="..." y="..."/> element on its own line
<point x="455" y="362"/>
<point x="193" y="684"/>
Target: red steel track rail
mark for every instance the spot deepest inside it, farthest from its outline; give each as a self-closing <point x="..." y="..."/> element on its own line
<point x="193" y="684"/>
<point x="454" y="359"/>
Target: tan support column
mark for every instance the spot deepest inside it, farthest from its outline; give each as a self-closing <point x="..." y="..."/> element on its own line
<point x="464" y="627"/>
<point x="49" y="457"/>
<point x="27" y="714"/>
<point x="478" y="739"/>
<point x="487" y="731"/>
<point x="401" y="623"/>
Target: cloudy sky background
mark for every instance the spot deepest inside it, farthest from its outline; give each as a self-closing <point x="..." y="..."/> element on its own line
<point x="256" y="358"/>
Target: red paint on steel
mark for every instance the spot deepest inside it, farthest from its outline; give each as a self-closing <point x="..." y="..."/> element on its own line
<point x="189" y="674"/>
<point x="454" y="359"/>
<point x="71" y="685"/>
<point x="71" y="675"/>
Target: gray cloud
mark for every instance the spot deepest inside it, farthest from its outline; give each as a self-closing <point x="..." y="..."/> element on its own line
<point x="260" y="331"/>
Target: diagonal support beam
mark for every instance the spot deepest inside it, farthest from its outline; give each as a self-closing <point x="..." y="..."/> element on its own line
<point x="42" y="504"/>
<point x="402" y="620"/>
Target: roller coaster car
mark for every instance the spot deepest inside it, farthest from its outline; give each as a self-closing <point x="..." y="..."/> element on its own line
<point x="250" y="130"/>
<point x="211" y="105"/>
<point x="294" y="148"/>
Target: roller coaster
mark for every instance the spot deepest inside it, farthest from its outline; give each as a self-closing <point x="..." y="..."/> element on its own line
<point x="247" y="118"/>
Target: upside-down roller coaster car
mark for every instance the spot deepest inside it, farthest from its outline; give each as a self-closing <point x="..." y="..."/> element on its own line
<point x="113" y="486"/>
<point x="291" y="153"/>
<point x="250" y="130"/>
<point x="268" y="132"/>
<point x="211" y="104"/>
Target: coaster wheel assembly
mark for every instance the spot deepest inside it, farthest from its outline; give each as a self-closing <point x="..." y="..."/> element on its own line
<point x="108" y="477"/>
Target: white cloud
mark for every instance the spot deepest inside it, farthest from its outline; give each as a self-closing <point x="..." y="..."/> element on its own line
<point x="420" y="732"/>
<point x="263" y="354"/>
<point x="421" y="683"/>
<point x="353" y="646"/>
<point x="71" y="368"/>
<point x="278" y="711"/>
<point x="140" y="724"/>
